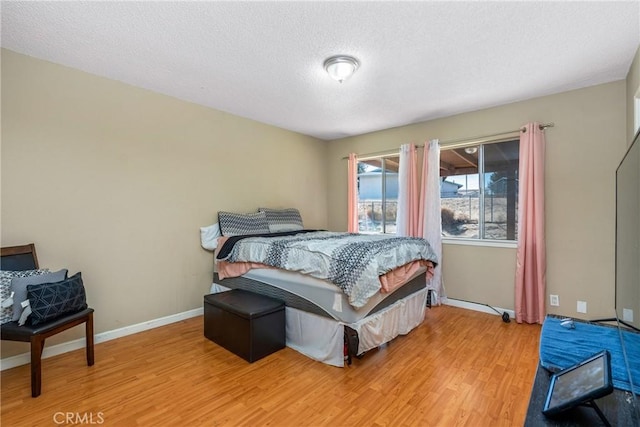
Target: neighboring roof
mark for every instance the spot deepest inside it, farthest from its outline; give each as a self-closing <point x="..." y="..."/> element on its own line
<point x="452" y="183"/>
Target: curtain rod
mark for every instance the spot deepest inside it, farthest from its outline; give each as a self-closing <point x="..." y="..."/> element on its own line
<point x="462" y="142"/>
<point x="478" y="139"/>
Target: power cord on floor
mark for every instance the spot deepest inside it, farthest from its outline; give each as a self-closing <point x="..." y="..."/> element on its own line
<point x="505" y="316"/>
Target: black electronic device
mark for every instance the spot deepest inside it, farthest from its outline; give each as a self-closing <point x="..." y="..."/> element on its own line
<point x="580" y="385"/>
<point x="627" y="283"/>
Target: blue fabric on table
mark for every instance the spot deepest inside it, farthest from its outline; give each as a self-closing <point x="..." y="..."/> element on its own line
<point x="562" y="347"/>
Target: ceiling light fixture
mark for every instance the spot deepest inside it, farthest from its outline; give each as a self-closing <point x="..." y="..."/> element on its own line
<point x="471" y="150"/>
<point x="341" y="67"/>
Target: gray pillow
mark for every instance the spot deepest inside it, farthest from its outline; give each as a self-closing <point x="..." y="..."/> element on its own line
<point x="19" y="287"/>
<point x="6" y="276"/>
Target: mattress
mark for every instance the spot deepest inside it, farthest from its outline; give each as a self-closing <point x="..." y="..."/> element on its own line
<point x="318" y="296"/>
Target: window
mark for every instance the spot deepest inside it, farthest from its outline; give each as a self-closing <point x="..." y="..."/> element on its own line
<point x="479" y="191"/>
<point x="378" y="194"/>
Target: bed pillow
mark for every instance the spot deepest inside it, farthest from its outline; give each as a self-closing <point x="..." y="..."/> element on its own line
<point x="236" y="224"/>
<point x="283" y="219"/>
<point x="49" y="301"/>
<point x="19" y="288"/>
<point x="6" y="302"/>
<point x="209" y="236"/>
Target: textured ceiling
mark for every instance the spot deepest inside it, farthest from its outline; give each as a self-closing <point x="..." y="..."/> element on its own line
<point x="263" y="60"/>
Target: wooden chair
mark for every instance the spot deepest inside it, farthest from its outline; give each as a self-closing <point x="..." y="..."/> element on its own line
<point x="24" y="257"/>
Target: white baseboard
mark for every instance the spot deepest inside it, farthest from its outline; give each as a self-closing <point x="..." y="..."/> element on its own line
<point x="477" y="307"/>
<point x="25" y="358"/>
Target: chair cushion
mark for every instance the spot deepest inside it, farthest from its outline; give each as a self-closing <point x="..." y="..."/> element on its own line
<point x="51" y="300"/>
<point x="12" y="332"/>
<point x="19" y="262"/>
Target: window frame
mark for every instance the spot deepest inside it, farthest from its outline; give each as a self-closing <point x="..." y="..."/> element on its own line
<point x="465" y="241"/>
<point x="480" y="241"/>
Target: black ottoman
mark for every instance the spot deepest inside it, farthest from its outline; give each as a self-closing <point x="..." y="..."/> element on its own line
<point x="247" y="324"/>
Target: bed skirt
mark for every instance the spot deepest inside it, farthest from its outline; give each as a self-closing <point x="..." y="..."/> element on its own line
<point x="322" y="338"/>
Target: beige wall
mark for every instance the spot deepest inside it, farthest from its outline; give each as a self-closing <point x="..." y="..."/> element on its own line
<point x="633" y="91"/>
<point x="583" y="150"/>
<point x="115" y="181"/>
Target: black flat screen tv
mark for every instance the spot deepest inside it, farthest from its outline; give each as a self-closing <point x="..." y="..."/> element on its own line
<point x="627" y="282"/>
<point x="627" y="279"/>
<point x="580" y="384"/>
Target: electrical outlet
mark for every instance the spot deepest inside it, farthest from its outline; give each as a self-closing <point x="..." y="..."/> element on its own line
<point x="627" y="315"/>
<point x="582" y="307"/>
<point x="554" y="300"/>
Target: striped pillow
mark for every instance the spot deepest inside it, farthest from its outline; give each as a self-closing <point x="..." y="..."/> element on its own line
<point x="283" y="219"/>
<point x="236" y="224"/>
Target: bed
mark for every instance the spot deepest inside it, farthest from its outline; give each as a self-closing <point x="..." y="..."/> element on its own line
<point x="345" y="293"/>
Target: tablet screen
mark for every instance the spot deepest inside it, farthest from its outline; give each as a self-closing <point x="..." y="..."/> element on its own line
<point x="588" y="380"/>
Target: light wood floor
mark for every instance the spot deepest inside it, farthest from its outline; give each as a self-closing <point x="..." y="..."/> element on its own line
<point x="459" y="368"/>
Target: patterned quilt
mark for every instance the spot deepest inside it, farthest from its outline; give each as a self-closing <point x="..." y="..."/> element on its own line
<point x="352" y="262"/>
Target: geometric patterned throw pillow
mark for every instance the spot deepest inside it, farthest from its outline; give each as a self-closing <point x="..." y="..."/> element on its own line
<point x="19" y="288"/>
<point x="235" y="224"/>
<point x="51" y="300"/>
<point x="6" y="276"/>
<point x="283" y="219"/>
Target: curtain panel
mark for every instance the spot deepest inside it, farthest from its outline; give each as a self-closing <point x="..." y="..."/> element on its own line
<point x="429" y="217"/>
<point x="352" y="194"/>
<point x="407" y="214"/>
<point x="530" y="286"/>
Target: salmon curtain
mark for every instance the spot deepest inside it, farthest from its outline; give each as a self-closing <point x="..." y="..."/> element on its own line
<point x="530" y="288"/>
<point x="429" y="216"/>
<point x="407" y="215"/>
<point x="352" y="194"/>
